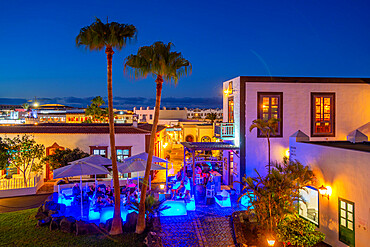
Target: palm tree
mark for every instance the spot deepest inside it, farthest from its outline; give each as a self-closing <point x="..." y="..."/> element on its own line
<point x="26" y="106"/>
<point x="98" y="114"/>
<point x="165" y="65"/>
<point x="267" y="129"/>
<point x="211" y="116"/>
<point x="98" y="101"/>
<point x="110" y="36"/>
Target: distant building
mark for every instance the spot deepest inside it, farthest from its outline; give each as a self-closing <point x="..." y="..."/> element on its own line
<point x="202" y="113"/>
<point x="166" y="115"/>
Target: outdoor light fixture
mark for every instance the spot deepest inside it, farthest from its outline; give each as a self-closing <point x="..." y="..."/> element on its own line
<point x="271" y="241"/>
<point x="161" y="186"/>
<point x="325" y="191"/>
<point x="287" y="153"/>
<point x="165" y="145"/>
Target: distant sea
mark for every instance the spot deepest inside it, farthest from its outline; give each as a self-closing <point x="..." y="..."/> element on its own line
<point x="124" y="103"/>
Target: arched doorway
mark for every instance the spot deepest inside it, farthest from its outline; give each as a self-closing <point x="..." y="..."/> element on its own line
<point x="50" y="151"/>
<point x="189" y="138"/>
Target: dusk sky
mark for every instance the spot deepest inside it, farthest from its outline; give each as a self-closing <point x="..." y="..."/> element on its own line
<point x="222" y="40"/>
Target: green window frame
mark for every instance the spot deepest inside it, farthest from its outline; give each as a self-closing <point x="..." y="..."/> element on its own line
<point x="346" y="210"/>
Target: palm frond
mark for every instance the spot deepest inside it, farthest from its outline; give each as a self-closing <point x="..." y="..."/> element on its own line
<point x="157" y="60"/>
<point x="99" y="35"/>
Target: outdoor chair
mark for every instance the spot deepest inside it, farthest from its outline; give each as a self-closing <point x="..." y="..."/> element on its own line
<point x="223" y="199"/>
<point x="210" y="192"/>
<point x="198" y="179"/>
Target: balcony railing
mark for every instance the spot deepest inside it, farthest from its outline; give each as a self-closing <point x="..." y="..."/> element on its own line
<point x="224" y="130"/>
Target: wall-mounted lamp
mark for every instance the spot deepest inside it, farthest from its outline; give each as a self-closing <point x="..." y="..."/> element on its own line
<point x="228" y="91"/>
<point x="325" y="191"/>
<point x="270" y="241"/>
<point x="161" y="186"/>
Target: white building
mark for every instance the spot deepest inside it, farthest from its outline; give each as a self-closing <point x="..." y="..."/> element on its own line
<point x="166" y="115"/>
<point x="202" y="113"/>
<point x="342" y="105"/>
<point x="342" y="167"/>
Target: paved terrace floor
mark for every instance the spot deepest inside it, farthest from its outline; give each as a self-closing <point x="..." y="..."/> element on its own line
<point x="209" y="225"/>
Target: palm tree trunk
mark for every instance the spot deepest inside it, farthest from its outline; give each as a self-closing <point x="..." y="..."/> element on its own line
<point x="140" y="227"/>
<point x="268" y="146"/>
<point x="117" y="222"/>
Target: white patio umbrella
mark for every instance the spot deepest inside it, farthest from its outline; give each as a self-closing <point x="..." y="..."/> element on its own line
<point x="144" y="156"/>
<point x="137" y="165"/>
<point x="95" y="160"/>
<point x="79" y="168"/>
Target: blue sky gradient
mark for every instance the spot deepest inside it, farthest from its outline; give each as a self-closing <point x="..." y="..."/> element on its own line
<point x="222" y="40"/>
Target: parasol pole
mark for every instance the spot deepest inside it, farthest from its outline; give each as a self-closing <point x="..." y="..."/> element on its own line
<point x="95" y="184"/>
<point x="166" y="176"/>
<point x="150" y="182"/>
<point x="81" y="196"/>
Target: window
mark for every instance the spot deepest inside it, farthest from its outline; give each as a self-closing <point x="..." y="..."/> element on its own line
<point x="123" y="152"/>
<point x="99" y="150"/>
<point x="231" y="109"/>
<point x="309" y="207"/>
<point x="346" y="222"/>
<point x="270" y="105"/>
<point x="150" y="116"/>
<point x="206" y="139"/>
<point x="323" y="114"/>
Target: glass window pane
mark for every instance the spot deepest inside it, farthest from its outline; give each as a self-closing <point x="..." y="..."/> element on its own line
<point x="343" y="221"/>
<point x="342" y="205"/>
<point x="343" y="213"/>
<point x="96" y="152"/>
<point x="309" y="207"/>
<point x="350" y="216"/>
<point x="125" y="152"/>
<point x="349" y="207"/>
<point x="102" y="152"/>
<point x="350" y="225"/>
<point x="119" y="151"/>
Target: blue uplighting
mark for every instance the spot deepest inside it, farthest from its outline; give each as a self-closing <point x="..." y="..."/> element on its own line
<point x="177" y="208"/>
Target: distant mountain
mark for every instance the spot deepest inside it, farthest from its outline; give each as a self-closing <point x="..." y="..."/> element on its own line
<point x="124" y="103"/>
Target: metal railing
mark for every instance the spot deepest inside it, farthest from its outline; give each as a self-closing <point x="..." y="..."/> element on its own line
<point x="224" y="130"/>
<point x="19" y="183"/>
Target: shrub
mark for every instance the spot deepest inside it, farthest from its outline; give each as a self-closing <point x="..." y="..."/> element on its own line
<point x="274" y="196"/>
<point x="299" y="232"/>
<point x="152" y="206"/>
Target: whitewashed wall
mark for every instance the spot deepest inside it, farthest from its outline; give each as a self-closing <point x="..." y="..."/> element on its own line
<point x="352" y="110"/>
<point x="236" y="94"/>
<point x="348" y="174"/>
